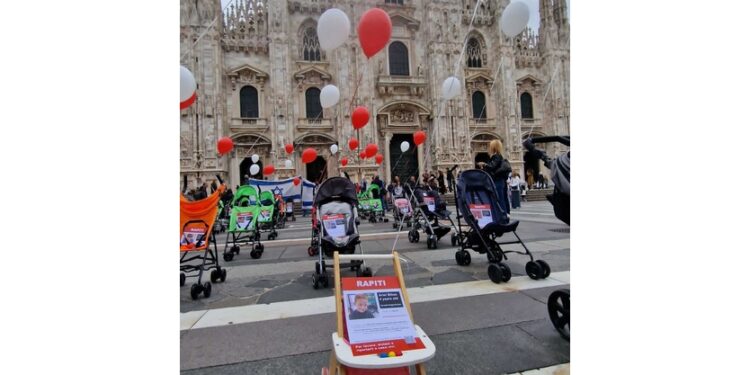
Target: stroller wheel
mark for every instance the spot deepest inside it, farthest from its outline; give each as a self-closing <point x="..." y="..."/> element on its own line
<point x="408" y="224"/>
<point x="215" y="276"/>
<point x="498" y="272"/>
<point x="432" y="241"/>
<point x="558" y="307"/>
<point x="207" y="289"/>
<point x="395" y="225"/>
<point x="454" y="239"/>
<point x="182" y="279"/>
<point x="385" y="219"/>
<point x="223" y="275"/>
<point x="534" y="270"/>
<point x="463" y="258"/>
<point x="235" y="249"/>
<point x="228" y="257"/>
<point x="367" y="272"/>
<point x="315" y="281"/>
<point x="255" y="253"/>
<point x="195" y="291"/>
<point x="545" y="268"/>
<point x="311" y="251"/>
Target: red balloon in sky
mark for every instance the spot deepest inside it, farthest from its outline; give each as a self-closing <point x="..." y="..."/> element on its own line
<point x="344" y="162"/>
<point x="296" y="181"/>
<point x="419" y="137"/>
<point x="360" y="117"/>
<point x="268" y="169"/>
<point x="379" y="158"/>
<point x="371" y="150"/>
<point x="362" y="155"/>
<point x="309" y="155"/>
<point x="353" y="144"/>
<point x="374" y="31"/>
<point x="289" y="148"/>
<point x="224" y="145"/>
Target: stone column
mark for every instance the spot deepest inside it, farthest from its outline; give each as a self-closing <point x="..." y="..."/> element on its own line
<point x="234" y="170"/>
<point x="387" y="151"/>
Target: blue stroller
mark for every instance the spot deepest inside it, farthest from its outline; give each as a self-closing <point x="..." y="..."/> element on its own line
<point x="477" y="202"/>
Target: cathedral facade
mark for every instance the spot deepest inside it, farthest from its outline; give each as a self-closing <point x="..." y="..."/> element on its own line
<point x="260" y="69"/>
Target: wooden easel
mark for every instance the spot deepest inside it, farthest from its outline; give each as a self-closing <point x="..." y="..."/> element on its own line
<point x="341" y="350"/>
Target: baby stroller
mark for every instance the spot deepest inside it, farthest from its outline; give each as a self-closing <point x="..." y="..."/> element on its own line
<point x="243" y="224"/>
<point x="373" y="195"/>
<point x="430" y="208"/>
<point x="558" y="303"/>
<point x="477" y="201"/>
<point x="402" y="212"/>
<point x="268" y="215"/>
<point x="196" y="237"/>
<point x="335" y="228"/>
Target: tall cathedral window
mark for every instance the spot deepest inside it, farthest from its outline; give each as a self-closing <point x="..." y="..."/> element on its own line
<point x="474" y="54"/>
<point x="478" y="105"/>
<point x="249" y="102"/>
<point x="310" y="45"/>
<point x="312" y="103"/>
<point x="398" y="61"/>
<point x="399" y="2"/>
<point x="527" y="110"/>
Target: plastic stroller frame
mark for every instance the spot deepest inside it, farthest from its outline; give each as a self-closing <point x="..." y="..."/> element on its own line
<point x="208" y="258"/>
<point x="334" y="189"/>
<point x="475" y="238"/>
<point x="245" y="236"/>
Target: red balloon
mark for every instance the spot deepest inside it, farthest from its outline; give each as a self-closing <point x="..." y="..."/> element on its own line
<point x="379" y="158"/>
<point x="189" y="101"/>
<point x="374" y="31"/>
<point x="353" y="144"/>
<point x="289" y="148"/>
<point x="419" y="137"/>
<point x="296" y="181"/>
<point x="344" y="162"/>
<point x="360" y="117"/>
<point x="224" y="145"/>
<point x="309" y="155"/>
<point x="268" y="169"/>
<point x="371" y="150"/>
<point x="362" y="155"/>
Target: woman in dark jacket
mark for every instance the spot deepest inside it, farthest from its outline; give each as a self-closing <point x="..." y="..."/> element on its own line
<point x="499" y="169"/>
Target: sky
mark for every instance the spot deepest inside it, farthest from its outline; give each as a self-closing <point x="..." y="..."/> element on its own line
<point x="533" y="10"/>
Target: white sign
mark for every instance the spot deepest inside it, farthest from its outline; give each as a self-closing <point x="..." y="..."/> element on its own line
<point x="482" y="213"/>
<point x="335" y="225"/>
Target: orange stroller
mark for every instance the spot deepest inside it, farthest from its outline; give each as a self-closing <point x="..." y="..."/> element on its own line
<point x="196" y="236"/>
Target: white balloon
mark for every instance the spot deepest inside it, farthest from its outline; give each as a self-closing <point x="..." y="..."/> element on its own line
<point x="451" y="88"/>
<point x="329" y="96"/>
<point x="334" y="149"/>
<point x="254" y="169"/>
<point x="255" y="158"/>
<point x="404" y="146"/>
<point x="187" y="84"/>
<point x="514" y="19"/>
<point x="288" y="163"/>
<point x="333" y="28"/>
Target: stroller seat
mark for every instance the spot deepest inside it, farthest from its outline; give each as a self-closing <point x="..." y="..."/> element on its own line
<point x="342" y="239"/>
<point x="498" y="229"/>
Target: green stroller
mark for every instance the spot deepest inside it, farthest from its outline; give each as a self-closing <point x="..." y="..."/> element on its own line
<point x="243" y="224"/>
<point x="268" y="215"/>
<point x="374" y="205"/>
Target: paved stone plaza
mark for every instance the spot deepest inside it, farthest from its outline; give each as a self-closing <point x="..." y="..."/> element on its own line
<point x="267" y="318"/>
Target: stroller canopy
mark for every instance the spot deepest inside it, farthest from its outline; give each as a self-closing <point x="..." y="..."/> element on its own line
<point x="476" y="187"/>
<point x="245" y="192"/>
<point x="336" y="188"/>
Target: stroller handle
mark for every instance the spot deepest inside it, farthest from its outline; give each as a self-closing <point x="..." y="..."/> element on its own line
<point x="564" y="139"/>
<point x="219" y="178"/>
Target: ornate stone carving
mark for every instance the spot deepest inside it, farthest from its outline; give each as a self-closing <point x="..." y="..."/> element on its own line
<point x="402" y="116"/>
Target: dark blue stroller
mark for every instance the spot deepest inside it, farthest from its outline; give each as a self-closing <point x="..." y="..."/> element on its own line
<point x="477" y="202"/>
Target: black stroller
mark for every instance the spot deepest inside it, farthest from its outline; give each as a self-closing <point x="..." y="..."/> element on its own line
<point x="335" y="229"/>
<point x="558" y="303"/>
<point x="430" y="208"/>
<point x="477" y="201"/>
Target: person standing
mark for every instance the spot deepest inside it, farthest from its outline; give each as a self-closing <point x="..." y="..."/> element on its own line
<point x="441" y="183"/>
<point x="379" y="183"/>
<point x="515" y="190"/>
<point x="498" y="168"/>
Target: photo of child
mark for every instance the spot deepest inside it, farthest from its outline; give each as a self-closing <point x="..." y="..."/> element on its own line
<point x="362" y="306"/>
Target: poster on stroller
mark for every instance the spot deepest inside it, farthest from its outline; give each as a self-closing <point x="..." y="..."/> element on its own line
<point x="482" y="213"/>
<point x="376" y="316"/>
<point x="335" y="225"/>
<point x="244" y="219"/>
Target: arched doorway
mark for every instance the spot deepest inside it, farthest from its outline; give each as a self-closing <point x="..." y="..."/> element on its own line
<point x="317" y="170"/>
<point x="403" y="164"/>
<point x="245" y="169"/>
